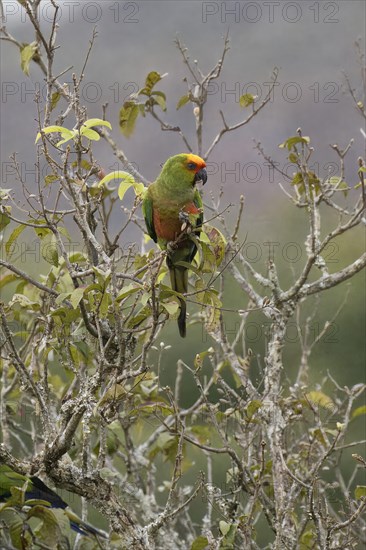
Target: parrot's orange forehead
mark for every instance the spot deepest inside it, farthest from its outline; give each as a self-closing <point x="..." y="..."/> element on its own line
<point x="197" y="160"/>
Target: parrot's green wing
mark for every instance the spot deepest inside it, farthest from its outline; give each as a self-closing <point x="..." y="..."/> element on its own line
<point x="147" y="210"/>
<point x="36" y="490"/>
<point x="9" y="478"/>
<point x="197" y="199"/>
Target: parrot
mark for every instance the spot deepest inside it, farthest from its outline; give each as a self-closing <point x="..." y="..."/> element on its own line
<point x="38" y="491"/>
<point x="169" y="203"/>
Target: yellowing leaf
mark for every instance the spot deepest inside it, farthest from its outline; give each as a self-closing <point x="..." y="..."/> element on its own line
<point x="49" y="249"/>
<point x="224" y="527"/>
<point x="200" y="543"/>
<point x="152" y="78"/>
<point x="7" y="279"/>
<point x="321" y="399"/>
<point x="127" y="290"/>
<point x="96" y="122"/>
<point x="217" y="242"/>
<point x="359" y="411"/>
<point x="360" y="491"/>
<point x="246" y="100"/>
<point x="171" y="307"/>
<point x="66" y="134"/>
<point x="90" y="134"/>
<point x="160" y="99"/>
<point x="292" y="141"/>
<point x="55" y="98"/>
<point x="183" y="100"/>
<point x="4" y="218"/>
<point x="252" y="407"/>
<point x="116" y="393"/>
<point x="198" y="360"/>
<point x="27" y="53"/>
<point x="13" y="237"/>
<point x="127" y="117"/>
<point x="76" y="297"/>
<point x="123" y="187"/>
<point x="116" y="175"/>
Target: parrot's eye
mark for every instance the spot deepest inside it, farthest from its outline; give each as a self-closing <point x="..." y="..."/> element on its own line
<point x="192" y="165"/>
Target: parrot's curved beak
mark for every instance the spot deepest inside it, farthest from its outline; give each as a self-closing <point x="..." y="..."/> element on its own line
<point x="201" y="175"/>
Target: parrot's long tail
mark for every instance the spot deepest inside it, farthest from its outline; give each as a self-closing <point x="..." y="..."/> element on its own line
<point x="179" y="282"/>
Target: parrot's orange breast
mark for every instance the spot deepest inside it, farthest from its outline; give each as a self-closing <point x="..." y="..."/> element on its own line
<point x="168" y="226"/>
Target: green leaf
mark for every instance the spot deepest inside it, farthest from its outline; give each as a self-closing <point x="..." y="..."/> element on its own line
<point x="217" y="242"/>
<point x="224" y="527"/>
<point x="143" y="314"/>
<point x="102" y="276"/>
<point x="200" y="543"/>
<point x="159" y="98"/>
<point x="4" y="218"/>
<point x="166" y="291"/>
<point x="183" y="100"/>
<point x="293" y="158"/>
<point x="152" y="78"/>
<point x="64" y="316"/>
<point x="104" y="304"/>
<point x="292" y="141"/>
<point x="127" y="291"/>
<point x="229" y="538"/>
<point x="307" y="540"/>
<point x="55" y="98"/>
<point x="208" y="297"/>
<point x="50" y="179"/>
<point x="115" y="393"/>
<point x="360" y="491"/>
<point x="7" y="279"/>
<point x="49" y="249"/>
<point x="252" y="407"/>
<point x="76" y="297"/>
<point x="208" y="261"/>
<point x="246" y="100"/>
<point x="359" y="411"/>
<point x="313" y="180"/>
<point x="127" y="117"/>
<point x="166" y="444"/>
<point x="20" y="538"/>
<point x="171" y="307"/>
<point x="24" y="302"/>
<point x="41" y="232"/>
<point x="198" y="360"/>
<point x="27" y="53"/>
<point x="13" y="237"/>
<point x="338" y="183"/>
<point x="48" y="531"/>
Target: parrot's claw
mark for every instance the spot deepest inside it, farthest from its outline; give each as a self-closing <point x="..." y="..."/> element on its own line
<point x="183" y="216"/>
